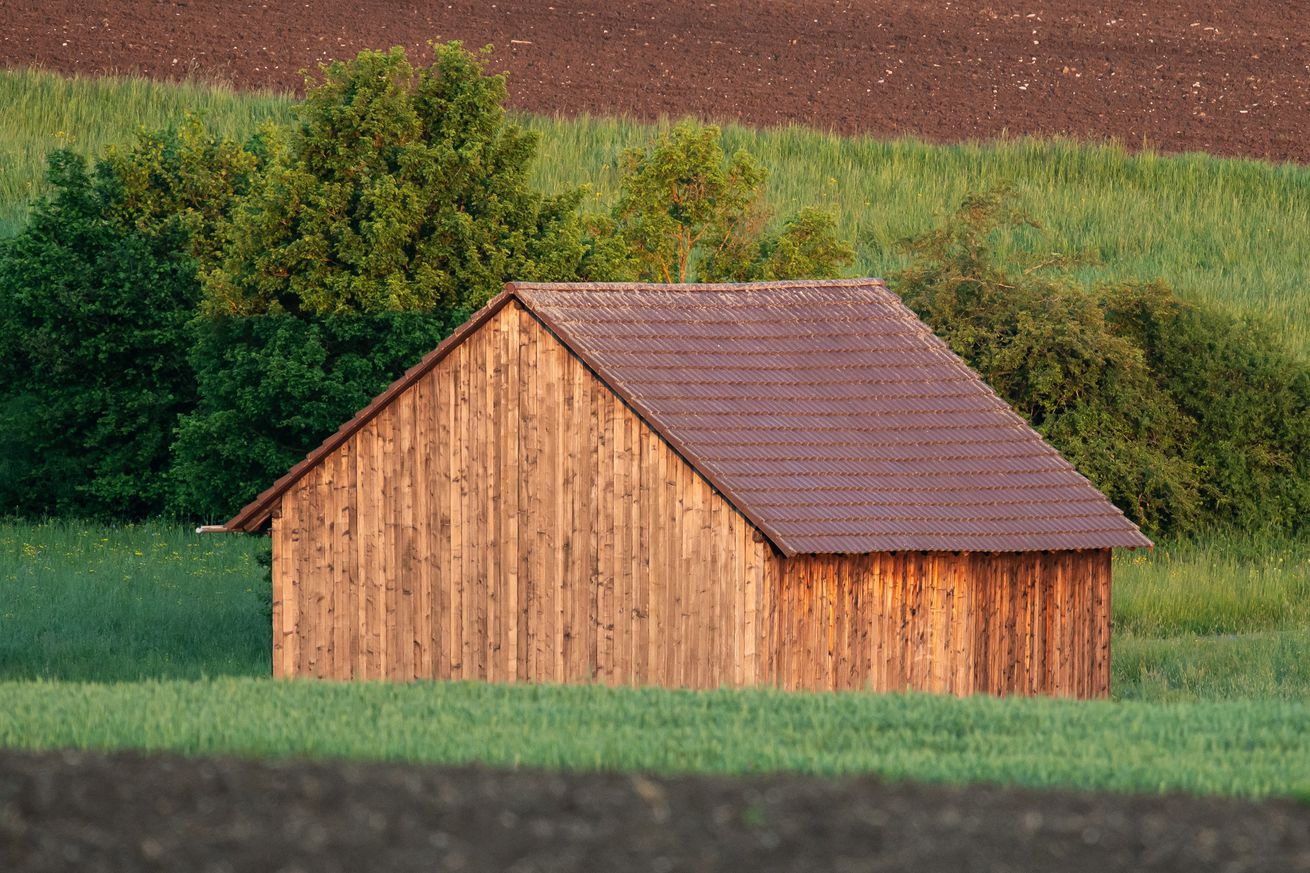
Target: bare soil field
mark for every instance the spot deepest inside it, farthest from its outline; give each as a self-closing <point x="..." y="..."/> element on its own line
<point x="126" y="812"/>
<point x="1226" y="78"/>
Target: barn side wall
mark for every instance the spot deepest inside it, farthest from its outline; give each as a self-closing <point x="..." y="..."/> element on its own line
<point x="1011" y="623"/>
<point x="508" y="518"/>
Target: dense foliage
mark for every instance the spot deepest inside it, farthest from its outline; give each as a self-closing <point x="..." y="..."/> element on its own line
<point x="93" y="350"/>
<point x="396" y="190"/>
<point x="95" y="295"/>
<point x="182" y="179"/>
<point x="273" y="386"/>
<point x="1186" y="417"/>
<point x="1245" y="395"/>
<point x="688" y="212"/>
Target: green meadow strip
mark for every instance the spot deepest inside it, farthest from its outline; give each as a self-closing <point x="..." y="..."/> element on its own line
<point x="1239" y="749"/>
<point x="1222" y="584"/>
<point x="1224" y="230"/>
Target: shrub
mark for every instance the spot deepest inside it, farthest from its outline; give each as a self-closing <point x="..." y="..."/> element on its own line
<point x="1246" y="392"/>
<point x="396" y="190"/>
<point x="93" y="368"/>
<point x="271" y="387"/>
<point x="1046" y="347"/>
<point x="1185" y="417"/>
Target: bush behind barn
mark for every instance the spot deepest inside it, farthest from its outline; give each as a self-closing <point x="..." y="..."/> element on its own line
<point x="92" y="354"/>
<point x="273" y="386"/>
<point x="1186" y="417"/>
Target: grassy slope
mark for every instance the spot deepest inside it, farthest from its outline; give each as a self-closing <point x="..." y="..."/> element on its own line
<point x="1212" y="747"/>
<point x="91" y="609"/>
<point x="1224" y="230"/>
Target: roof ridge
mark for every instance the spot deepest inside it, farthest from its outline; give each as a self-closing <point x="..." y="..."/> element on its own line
<point x="698" y="287"/>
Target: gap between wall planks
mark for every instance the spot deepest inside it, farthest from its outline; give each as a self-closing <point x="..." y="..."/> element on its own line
<point x="510" y="518"/>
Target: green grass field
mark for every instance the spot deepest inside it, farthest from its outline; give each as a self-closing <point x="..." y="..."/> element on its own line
<point x="1224" y="230"/>
<point x="1248" y="749"/>
<point x="153" y="637"/>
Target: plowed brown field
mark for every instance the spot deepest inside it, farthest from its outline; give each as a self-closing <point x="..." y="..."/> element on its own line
<point x="126" y="812"/>
<point x="1228" y="78"/>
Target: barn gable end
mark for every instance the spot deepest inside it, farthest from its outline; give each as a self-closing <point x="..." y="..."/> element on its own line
<point x="506" y="517"/>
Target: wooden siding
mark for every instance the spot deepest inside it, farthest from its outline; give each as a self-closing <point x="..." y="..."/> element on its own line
<point x="509" y="518"/>
<point x="999" y="623"/>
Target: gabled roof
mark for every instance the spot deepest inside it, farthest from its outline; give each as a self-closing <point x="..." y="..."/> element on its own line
<point x="825" y="411"/>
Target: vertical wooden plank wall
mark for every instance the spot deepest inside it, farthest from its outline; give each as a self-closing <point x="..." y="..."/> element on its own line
<point x="508" y="518"/>
<point x="1011" y="623"/>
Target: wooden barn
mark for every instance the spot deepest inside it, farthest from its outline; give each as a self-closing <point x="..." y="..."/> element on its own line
<point x="792" y="484"/>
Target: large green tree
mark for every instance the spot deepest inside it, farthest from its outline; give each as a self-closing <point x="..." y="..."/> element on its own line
<point x="95" y="294"/>
<point x="398" y="189"/>
<point x="93" y="370"/>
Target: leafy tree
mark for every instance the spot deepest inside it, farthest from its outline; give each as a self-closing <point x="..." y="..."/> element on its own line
<point x="95" y="294"/>
<point x="688" y="212"/>
<point x="396" y="190"/>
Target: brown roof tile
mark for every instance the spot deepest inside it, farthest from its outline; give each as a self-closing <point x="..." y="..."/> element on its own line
<point x="826" y="412"/>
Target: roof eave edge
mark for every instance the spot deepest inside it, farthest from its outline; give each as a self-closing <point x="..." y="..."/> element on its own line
<point x="255" y="514"/>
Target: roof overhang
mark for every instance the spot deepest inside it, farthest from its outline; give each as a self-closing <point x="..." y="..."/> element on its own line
<point x="258" y="512"/>
<point x="255" y="514"/>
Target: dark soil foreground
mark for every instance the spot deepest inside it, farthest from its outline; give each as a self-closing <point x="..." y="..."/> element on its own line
<point x="1213" y="75"/>
<point x="127" y="812"/>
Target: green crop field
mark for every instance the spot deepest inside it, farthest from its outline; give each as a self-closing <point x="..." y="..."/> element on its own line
<point x="1225" y="230"/>
<point x="1247" y="749"/>
<point x="152" y="637"/>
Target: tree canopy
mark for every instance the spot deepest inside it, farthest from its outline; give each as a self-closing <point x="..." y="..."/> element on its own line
<point x="397" y="189"/>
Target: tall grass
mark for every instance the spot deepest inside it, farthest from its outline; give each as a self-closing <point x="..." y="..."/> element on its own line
<point x="1223" y="230"/>
<point x="1222" y="618"/>
<point x="128" y="602"/>
<point x="1227" y="584"/>
<point x="1228" y="231"/>
<point x="1221" y="748"/>
<point x="1252" y="667"/>
<point x="42" y="111"/>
